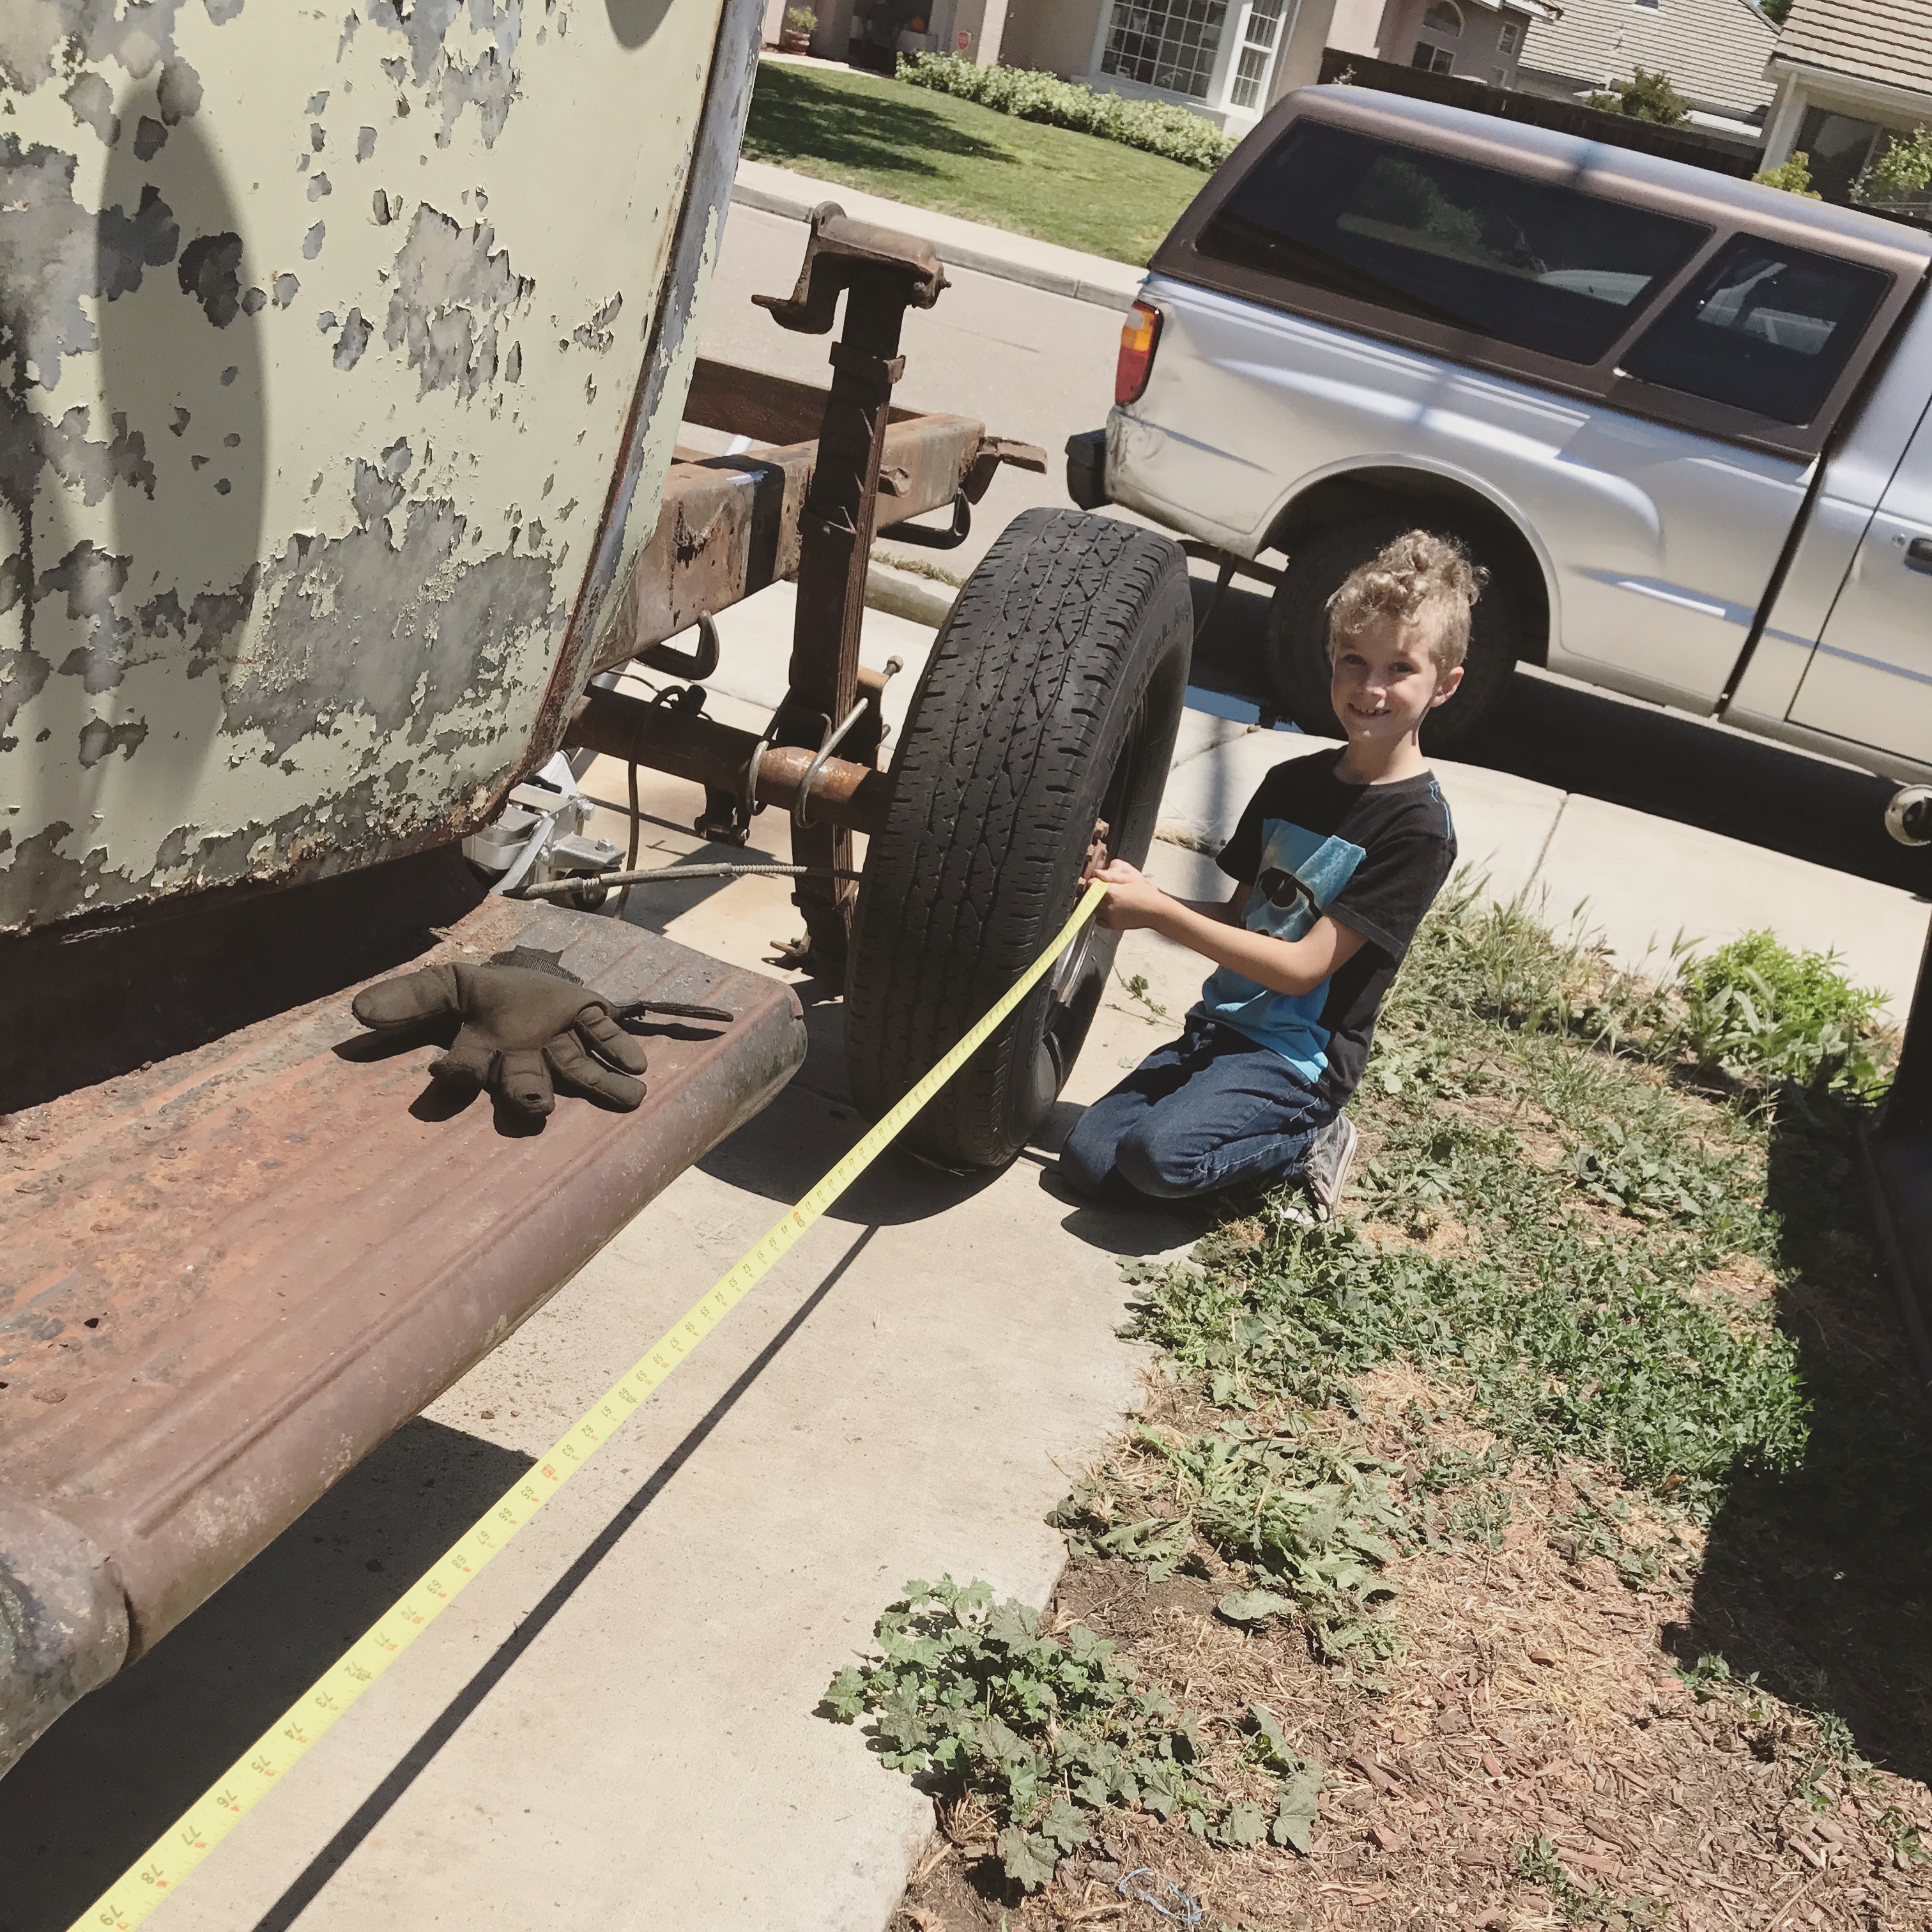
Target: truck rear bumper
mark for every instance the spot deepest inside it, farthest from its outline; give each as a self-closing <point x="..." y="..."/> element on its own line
<point x="229" y="1275"/>
<point x="1087" y="468"/>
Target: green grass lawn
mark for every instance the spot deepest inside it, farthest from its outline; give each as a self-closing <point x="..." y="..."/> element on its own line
<point x="918" y="146"/>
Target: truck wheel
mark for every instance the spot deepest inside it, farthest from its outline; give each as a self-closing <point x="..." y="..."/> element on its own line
<point x="1298" y="631"/>
<point x="1049" y="705"/>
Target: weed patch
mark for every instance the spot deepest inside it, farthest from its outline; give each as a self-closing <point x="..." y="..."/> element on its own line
<point x="1566" y="1498"/>
<point x="1763" y="1016"/>
<point x="1045" y="1731"/>
<point x="1316" y="1526"/>
<point x="1583" y="1349"/>
<point x="1579" y="1905"/>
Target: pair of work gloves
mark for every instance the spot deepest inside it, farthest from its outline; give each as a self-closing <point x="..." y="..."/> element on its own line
<point x="523" y="1032"/>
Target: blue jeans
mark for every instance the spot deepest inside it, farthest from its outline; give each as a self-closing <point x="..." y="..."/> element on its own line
<point x="1211" y="1110"/>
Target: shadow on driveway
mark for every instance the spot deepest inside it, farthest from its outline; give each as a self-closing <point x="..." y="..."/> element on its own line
<point x="126" y="1761"/>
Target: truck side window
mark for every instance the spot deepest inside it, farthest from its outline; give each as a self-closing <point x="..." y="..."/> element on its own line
<point x="1765" y="327"/>
<point x="1545" y="267"/>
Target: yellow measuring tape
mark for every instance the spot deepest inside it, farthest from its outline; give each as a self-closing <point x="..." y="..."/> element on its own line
<point x="174" y="1854"/>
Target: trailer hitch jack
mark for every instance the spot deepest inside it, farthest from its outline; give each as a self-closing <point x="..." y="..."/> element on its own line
<point x="882" y="273"/>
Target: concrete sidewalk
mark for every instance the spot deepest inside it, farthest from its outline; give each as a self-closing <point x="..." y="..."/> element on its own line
<point x="961" y="243"/>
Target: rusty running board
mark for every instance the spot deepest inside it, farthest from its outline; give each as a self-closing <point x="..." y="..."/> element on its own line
<point x="226" y="1277"/>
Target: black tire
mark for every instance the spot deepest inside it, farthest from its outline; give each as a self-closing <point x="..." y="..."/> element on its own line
<point x="1298" y="630"/>
<point x="1050" y="700"/>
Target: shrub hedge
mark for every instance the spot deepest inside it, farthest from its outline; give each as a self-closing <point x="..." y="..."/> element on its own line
<point x="1157" y="126"/>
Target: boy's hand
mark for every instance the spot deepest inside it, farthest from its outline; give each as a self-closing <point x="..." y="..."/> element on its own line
<point x="1133" y="900"/>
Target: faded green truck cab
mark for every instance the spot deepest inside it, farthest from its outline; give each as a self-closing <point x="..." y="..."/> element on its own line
<point x="343" y="355"/>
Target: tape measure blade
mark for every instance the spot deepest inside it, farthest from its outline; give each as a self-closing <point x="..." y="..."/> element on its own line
<point x="144" y="1887"/>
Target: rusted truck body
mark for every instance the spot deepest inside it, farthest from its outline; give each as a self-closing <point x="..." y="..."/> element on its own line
<point x="346" y="361"/>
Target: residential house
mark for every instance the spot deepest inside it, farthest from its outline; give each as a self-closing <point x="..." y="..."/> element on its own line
<point x="1474" y="40"/>
<point x="1714" y="51"/>
<point x="1848" y="72"/>
<point x="1226" y="59"/>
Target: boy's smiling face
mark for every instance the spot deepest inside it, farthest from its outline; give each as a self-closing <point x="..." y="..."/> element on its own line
<point x="1385" y="681"/>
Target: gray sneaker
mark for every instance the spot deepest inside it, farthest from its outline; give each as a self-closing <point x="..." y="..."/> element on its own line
<point x="1325" y="1172"/>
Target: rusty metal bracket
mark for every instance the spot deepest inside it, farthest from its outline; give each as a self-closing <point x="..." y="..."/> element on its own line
<point x="881" y="273"/>
<point x="837" y="248"/>
<point x="994" y="451"/>
<point x="923" y="537"/>
<point x="697" y="665"/>
<point x="730" y="524"/>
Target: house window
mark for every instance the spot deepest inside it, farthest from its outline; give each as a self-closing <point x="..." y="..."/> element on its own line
<point x="1509" y="37"/>
<point x="1259" y="34"/>
<point x="1432" y="60"/>
<point x="1444" y="18"/>
<point x="1840" y="146"/>
<point x="1164" y="43"/>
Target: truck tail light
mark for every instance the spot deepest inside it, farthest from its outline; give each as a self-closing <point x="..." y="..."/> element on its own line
<point x="1138" y="334"/>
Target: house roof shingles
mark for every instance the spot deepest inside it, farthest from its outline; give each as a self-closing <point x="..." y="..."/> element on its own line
<point x="1884" y="41"/>
<point x="1713" y="50"/>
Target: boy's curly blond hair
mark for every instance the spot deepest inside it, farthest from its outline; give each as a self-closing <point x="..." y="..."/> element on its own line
<point x="1418" y="578"/>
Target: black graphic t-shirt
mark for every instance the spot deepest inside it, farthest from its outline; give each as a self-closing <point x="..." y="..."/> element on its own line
<point x="1372" y="857"/>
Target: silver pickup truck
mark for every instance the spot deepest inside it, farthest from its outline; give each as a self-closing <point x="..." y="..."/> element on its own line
<point x="1681" y="420"/>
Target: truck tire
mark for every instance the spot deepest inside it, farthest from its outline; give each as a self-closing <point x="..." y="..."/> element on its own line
<point x="1298" y="631"/>
<point x="1050" y="702"/>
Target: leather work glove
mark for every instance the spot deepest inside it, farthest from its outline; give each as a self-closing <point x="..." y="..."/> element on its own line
<point x="520" y="1028"/>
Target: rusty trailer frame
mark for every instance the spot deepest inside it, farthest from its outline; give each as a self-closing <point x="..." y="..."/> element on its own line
<point x="805" y="505"/>
<point x="218" y="1289"/>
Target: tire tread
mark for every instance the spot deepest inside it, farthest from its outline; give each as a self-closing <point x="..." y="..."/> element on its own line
<point x="1064" y="619"/>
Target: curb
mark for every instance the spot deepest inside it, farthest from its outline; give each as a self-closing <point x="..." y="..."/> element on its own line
<point x="902" y="594"/>
<point x="1053" y="281"/>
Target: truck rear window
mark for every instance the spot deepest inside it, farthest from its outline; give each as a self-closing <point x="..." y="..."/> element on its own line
<point x="1763" y="328"/>
<point x="1545" y="268"/>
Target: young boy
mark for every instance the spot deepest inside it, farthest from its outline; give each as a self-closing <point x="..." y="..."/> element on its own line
<point x="1338" y="856"/>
